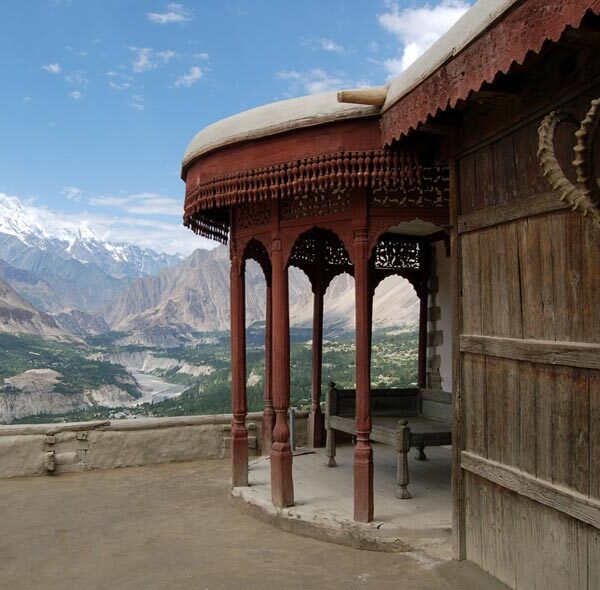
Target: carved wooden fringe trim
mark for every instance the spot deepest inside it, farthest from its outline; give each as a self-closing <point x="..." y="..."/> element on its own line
<point x="207" y="227"/>
<point x="383" y="170"/>
<point x="342" y="170"/>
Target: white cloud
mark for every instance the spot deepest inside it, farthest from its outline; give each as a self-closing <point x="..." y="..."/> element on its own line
<point x="145" y="58"/>
<point x="137" y="103"/>
<point x="174" y="13"/>
<point x="316" y="81"/>
<point x="78" y="52"/>
<point x="118" y="81"/>
<point x="52" y="68"/>
<point x="324" y="44"/>
<point x="160" y="235"/>
<point x="119" y="86"/>
<point x="186" y="80"/>
<point x="77" y="78"/>
<point x="418" y="28"/>
<point x="331" y="45"/>
<point x="72" y="193"/>
<point x="141" y="203"/>
<point x="373" y="47"/>
<point x="76" y="95"/>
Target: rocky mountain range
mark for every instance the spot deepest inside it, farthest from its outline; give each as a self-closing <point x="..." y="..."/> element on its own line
<point x="53" y="266"/>
<point x="19" y="316"/>
<point x="78" y="284"/>
<point x="194" y="297"/>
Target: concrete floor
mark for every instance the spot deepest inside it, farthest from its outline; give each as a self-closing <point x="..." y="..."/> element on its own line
<point x="171" y="527"/>
<point x="324" y="500"/>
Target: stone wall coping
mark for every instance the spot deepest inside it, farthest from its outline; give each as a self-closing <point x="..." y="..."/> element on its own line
<point x="127" y="424"/>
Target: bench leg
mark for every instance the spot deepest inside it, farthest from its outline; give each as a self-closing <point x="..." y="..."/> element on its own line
<point x="402" y="476"/>
<point x="421" y="456"/>
<point x="402" y="448"/>
<point x="330" y="448"/>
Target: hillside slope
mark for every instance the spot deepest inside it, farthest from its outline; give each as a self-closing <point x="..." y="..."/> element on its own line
<point x="17" y="316"/>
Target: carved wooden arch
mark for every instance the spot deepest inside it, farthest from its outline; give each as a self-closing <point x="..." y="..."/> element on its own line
<point x="321" y="254"/>
<point x="255" y="249"/>
<point x="378" y="226"/>
<point x="400" y="255"/>
<point x="342" y="228"/>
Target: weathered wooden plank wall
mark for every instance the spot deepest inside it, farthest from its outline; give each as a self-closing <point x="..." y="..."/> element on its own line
<point x="530" y="270"/>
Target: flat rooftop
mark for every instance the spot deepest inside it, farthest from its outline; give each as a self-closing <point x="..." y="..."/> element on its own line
<point x="171" y="526"/>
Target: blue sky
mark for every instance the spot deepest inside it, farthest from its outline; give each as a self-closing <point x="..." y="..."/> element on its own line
<point x="101" y="97"/>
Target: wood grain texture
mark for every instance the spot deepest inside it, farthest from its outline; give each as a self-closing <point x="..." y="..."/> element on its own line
<point x="555" y="496"/>
<point x="529" y="345"/>
<point x="503" y="213"/>
<point x="473" y="374"/>
<point x="594" y="450"/>
<point x="471" y="284"/>
<point x="459" y="531"/>
<point x="574" y="354"/>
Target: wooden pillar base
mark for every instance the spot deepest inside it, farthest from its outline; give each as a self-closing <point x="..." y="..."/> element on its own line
<point x="363" y="482"/>
<point x="316" y="428"/>
<point x="239" y="457"/>
<point x="268" y="423"/>
<point x="282" y="484"/>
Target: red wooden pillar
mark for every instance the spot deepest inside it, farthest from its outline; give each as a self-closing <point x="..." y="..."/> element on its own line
<point x="239" y="432"/>
<point x="282" y="486"/>
<point x="268" y="418"/>
<point x="316" y="421"/>
<point x="363" y="453"/>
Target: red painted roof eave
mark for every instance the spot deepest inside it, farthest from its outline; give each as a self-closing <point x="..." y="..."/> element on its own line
<point x="523" y="29"/>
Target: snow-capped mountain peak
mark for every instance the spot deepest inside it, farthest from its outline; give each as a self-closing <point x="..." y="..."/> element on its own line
<point x="78" y="241"/>
<point x="16" y="221"/>
<point x="86" y="233"/>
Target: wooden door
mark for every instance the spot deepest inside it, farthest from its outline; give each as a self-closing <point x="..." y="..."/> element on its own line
<point x="527" y="361"/>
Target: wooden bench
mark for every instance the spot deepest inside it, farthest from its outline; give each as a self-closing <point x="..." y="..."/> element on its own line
<point x="402" y="418"/>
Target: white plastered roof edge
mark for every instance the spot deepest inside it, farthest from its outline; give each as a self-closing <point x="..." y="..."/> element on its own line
<point x="307" y="111"/>
<point x="274" y="118"/>
<point x="466" y="29"/>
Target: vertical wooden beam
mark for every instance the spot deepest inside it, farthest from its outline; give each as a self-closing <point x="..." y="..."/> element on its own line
<point x="268" y="419"/>
<point x="363" y="453"/>
<point x="458" y="483"/>
<point x="282" y="486"/>
<point x="422" y="362"/>
<point x="239" y="432"/>
<point x="316" y="422"/>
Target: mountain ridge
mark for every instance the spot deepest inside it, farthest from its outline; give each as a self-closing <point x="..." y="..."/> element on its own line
<point x="17" y="316"/>
<point x="54" y="266"/>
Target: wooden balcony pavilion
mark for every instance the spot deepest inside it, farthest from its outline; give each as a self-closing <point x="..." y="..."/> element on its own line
<point x="318" y="193"/>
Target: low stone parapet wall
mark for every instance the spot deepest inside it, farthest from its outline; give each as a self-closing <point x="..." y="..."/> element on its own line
<point x="40" y="449"/>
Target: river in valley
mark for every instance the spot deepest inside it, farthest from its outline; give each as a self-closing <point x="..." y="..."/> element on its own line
<point x="156" y="389"/>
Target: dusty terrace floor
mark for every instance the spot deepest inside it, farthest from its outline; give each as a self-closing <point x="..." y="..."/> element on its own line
<point x="171" y="527"/>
